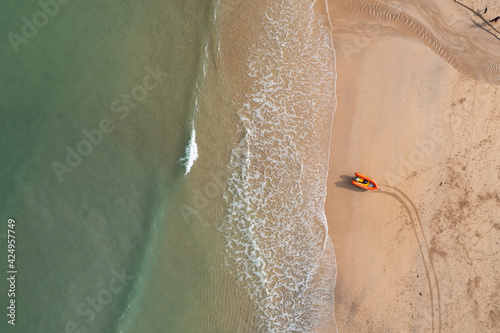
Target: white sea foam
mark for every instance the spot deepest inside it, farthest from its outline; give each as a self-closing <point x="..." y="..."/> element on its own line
<point x="191" y="152"/>
<point x="277" y="242"/>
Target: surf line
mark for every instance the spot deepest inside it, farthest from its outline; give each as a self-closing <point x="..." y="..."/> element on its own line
<point x="429" y="270"/>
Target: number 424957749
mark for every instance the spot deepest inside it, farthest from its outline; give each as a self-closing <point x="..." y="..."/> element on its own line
<point x="11" y="244"/>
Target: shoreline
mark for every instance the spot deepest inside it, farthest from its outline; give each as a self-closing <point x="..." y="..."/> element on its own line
<point x="402" y="111"/>
<point x="283" y="96"/>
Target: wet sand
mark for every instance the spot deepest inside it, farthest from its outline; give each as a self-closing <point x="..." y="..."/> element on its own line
<point x="418" y="115"/>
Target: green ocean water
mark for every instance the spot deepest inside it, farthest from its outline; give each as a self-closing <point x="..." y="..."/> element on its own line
<point x="96" y="109"/>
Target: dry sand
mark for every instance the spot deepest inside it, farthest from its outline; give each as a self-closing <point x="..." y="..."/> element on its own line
<point x="423" y="255"/>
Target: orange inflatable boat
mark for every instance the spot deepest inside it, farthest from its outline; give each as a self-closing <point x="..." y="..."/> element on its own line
<point x="364" y="182"/>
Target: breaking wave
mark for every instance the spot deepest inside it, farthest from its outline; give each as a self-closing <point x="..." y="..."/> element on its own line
<point x="277" y="243"/>
<point x="191" y="152"/>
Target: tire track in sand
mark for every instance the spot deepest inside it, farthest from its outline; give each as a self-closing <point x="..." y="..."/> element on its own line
<point x="424" y="249"/>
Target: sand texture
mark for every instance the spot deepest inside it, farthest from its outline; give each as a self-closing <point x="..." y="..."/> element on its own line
<point x="418" y="100"/>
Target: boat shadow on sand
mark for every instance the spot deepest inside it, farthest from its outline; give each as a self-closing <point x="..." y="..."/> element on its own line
<point x="345" y="183"/>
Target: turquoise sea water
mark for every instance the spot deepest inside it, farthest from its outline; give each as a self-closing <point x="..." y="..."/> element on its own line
<point x="95" y="218"/>
<point x="122" y="149"/>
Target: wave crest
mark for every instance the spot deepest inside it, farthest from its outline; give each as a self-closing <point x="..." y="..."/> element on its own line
<point x="276" y="232"/>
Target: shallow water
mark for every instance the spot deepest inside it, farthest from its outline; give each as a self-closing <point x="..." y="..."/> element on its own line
<point x="88" y="202"/>
<point x="276" y="233"/>
<point x="124" y="145"/>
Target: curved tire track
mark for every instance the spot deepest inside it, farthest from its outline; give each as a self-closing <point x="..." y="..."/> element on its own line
<point x="438" y="294"/>
<point x="424" y="249"/>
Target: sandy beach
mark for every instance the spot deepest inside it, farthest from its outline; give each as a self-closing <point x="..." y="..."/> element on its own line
<point x="418" y="114"/>
<point x="166" y="166"/>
